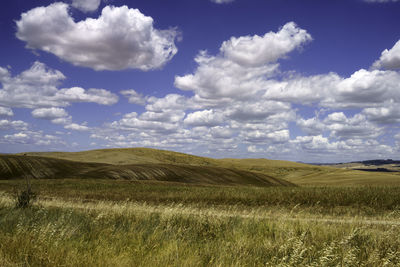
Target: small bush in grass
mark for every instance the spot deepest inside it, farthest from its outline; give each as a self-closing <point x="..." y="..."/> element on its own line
<point x="25" y="198"/>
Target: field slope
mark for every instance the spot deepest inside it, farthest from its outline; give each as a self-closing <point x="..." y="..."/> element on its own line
<point x="14" y="167"/>
<point x="298" y="173"/>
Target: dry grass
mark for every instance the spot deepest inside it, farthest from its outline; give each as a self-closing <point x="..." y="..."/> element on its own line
<point x="17" y="167"/>
<point x="59" y="232"/>
<point x="301" y="174"/>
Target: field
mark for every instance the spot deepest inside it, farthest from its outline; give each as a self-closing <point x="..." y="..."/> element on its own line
<point x="347" y="218"/>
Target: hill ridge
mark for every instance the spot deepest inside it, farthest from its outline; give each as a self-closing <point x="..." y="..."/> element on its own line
<point x="18" y="167"/>
<point x="298" y="173"/>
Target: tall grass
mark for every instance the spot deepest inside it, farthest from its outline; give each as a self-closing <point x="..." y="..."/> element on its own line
<point x="122" y="223"/>
<point x="369" y="199"/>
<point x="81" y="235"/>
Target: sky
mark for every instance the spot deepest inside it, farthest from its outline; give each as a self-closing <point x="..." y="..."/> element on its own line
<point x="300" y="80"/>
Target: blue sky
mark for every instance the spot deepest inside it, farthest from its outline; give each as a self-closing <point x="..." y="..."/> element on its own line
<point x="302" y="80"/>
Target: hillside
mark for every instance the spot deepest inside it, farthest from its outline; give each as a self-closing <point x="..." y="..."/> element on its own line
<point x="298" y="173"/>
<point x="17" y="167"/>
<point x="377" y="165"/>
<point x="124" y="156"/>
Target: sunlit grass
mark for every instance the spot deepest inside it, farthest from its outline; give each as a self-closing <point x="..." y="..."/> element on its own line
<point x="122" y="223"/>
<point x="59" y="232"/>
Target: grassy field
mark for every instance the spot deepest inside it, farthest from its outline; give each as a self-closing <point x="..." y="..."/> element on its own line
<point x="146" y="207"/>
<point x="131" y="223"/>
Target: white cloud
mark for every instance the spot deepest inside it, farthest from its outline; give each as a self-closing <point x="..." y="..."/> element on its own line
<point x="17" y="137"/>
<point x="37" y="138"/>
<point x="131" y="122"/>
<point x="243" y="66"/>
<point x="204" y="118"/>
<point x="254" y="51"/>
<point x="38" y="87"/>
<point x="255" y="149"/>
<point x="86" y="5"/>
<point x="244" y="104"/>
<point x="221" y="132"/>
<point x="49" y="113"/>
<point x="357" y="126"/>
<point x="318" y="144"/>
<point x="363" y="88"/>
<point x="15" y="125"/>
<point x="77" y="127"/>
<point x="134" y="97"/>
<point x="164" y="116"/>
<point x="302" y="90"/>
<point x="6" y="111"/>
<point x="256" y="110"/>
<point x="77" y="94"/>
<point x="341" y="127"/>
<point x="121" y="38"/>
<point x="390" y="59"/>
<point x="389" y="113"/>
<point x="169" y="102"/>
<point x="259" y="136"/>
<point x="311" y="126"/>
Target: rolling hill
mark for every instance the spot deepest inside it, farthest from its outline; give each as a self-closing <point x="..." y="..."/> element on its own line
<point x="297" y="173"/>
<point x="18" y="167"/>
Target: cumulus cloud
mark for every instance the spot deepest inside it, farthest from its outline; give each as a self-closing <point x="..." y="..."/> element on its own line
<point x="32" y="138"/>
<point x="77" y="94"/>
<point x="342" y="127"/>
<point x="245" y="104"/>
<point x="364" y="88"/>
<point x="389" y="113"/>
<point x="6" y="111"/>
<point x="120" y="38"/>
<point x="228" y="106"/>
<point x="132" y="122"/>
<point x="14" y="125"/>
<point x="169" y="102"/>
<point x="86" y="5"/>
<point x="164" y="116"/>
<point x="77" y="127"/>
<point x="49" y="113"/>
<point x="37" y="87"/>
<point x="390" y="59"/>
<point x="311" y="126"/>
<point x="244" y="64"/>
<point x="55" y="115"/>
<point x="257" y="110"/>
<point x="204" y="118"/>
<point x="257" y="50"/>
<point x="134" y="97"/>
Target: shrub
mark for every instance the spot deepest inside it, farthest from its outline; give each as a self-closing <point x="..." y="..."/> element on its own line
<point x="24" y="198"/>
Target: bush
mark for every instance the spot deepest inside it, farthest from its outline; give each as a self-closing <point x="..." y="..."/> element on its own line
<point x="25" y="198"/>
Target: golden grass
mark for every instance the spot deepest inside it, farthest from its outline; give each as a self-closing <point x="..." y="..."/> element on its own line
<point x="60" y="232"/>
<point x="298" y="173"/>
<point x="18" y="167"/>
